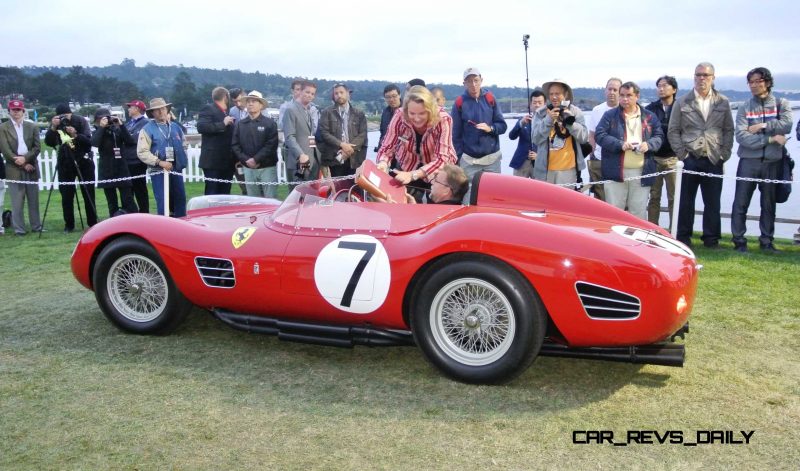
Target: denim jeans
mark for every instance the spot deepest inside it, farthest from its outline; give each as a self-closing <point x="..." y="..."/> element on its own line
<point x="177" y="193"/>
<point x="262" y="175"/>
<point x="754" y="168"/>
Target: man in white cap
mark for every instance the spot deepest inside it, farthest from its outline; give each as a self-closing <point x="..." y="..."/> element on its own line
<point x="558" y="131"/>
<point x="477" y="126"/>
<point x="255" y="146"/>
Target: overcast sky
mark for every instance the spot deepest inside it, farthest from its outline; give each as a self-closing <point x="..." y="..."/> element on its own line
<point x="583" y="42"/>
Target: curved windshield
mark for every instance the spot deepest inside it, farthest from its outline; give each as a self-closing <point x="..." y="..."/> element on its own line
<point x="321" y="205"/>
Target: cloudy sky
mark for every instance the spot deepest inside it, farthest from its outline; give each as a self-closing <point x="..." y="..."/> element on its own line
<point x="583" y="42"/>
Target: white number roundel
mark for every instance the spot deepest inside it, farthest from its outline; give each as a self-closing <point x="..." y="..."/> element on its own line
<point x="352" y="273"/>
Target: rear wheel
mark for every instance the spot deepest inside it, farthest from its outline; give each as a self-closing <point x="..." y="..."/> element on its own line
<point x="477" y="319"/>
<point x="134" y="289"/>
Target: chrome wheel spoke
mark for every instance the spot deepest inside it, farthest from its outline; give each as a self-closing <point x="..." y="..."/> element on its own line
<point x="472" y="321"/>
<point x="137" y="288"/>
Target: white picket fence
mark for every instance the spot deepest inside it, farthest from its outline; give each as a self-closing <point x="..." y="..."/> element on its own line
<point x="192" y="173"/>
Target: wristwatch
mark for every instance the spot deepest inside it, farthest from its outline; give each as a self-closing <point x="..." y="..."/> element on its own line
<point x="414" y="176"/>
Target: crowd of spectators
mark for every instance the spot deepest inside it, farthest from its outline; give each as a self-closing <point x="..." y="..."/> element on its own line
<point x="631" y="152"/>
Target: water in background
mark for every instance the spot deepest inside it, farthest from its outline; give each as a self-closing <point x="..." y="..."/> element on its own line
<point x="789" y="210"/>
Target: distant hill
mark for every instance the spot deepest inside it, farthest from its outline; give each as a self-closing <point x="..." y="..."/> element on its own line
<point x="157" y="80"/>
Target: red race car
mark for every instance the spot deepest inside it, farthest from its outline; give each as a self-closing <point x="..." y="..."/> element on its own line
<point x="526" y="269"/>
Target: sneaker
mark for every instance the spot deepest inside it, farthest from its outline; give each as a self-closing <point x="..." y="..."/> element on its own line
<point x="740" y="247"/>
<point x="769" y="248"/>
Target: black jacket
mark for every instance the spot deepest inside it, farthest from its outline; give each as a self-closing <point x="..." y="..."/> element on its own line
<point x="215" y="147"/>
<point x="256" y="138"/>
<point x="109" y="166"/>
<point x="655" y="107"/>
<point x="81" y="143"/>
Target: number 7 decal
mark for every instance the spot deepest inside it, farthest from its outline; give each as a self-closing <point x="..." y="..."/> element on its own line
<point x="352" y="273"/>
<point x="369" y="251"/>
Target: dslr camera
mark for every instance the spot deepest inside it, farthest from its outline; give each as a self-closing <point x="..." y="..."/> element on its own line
<point x="303" y="170"/>
<point x="63" y="122"/>
<point x="567" y="120"/>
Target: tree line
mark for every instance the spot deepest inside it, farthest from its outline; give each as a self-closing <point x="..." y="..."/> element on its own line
<point x="189" y="88"/>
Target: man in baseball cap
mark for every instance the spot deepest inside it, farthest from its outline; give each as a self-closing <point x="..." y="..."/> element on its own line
<point x="477" y="126"/>
<point x="136" y="121"/>
<point x="19" y="144"/>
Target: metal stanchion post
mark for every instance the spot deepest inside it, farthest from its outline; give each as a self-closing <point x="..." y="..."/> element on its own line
<point x="676" y="203"/>
<point x="166" y="192"/>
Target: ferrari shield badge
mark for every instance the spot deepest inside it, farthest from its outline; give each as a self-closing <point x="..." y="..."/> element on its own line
<point x="241" y="235"/>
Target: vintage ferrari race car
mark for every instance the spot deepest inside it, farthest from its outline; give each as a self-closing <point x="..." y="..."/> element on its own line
<point x="526" y="269"/>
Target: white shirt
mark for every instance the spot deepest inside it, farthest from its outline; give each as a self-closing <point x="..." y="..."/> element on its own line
<point x="22" y="149"/>
<point x="594" y="119"/>
<point x="703" y="103"/>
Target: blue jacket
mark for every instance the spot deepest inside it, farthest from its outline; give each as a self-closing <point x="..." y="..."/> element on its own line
<point x="610" y="135"/>
<point x="523" y="146"/>
<point x="159" y="140"/>
<point x="466" y="138"/>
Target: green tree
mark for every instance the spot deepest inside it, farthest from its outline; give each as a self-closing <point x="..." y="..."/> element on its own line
<point x="184" y="93"/>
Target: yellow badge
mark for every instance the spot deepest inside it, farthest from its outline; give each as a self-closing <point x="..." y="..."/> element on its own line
<point x="241" y="235"/>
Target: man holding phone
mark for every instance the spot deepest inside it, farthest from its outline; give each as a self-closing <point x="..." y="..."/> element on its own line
<point x="477" y="126"/>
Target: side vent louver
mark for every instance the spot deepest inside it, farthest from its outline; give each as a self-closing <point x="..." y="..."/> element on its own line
<point x="216" y="272"/>
<point x="606" y="303"/>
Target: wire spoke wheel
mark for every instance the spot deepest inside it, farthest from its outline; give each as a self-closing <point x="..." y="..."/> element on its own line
<point x="137" y="288"/>
<point x="472" y="321"/>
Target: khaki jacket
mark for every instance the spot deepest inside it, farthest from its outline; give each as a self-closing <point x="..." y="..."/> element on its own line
<point x="8" y="148"/>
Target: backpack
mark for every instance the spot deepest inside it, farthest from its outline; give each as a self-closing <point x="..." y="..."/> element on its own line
<point x="783" y="190"/>
<point x="489" y="99"/>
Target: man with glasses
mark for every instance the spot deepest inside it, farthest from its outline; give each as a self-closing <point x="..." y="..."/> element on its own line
<point x="391" y="94"/>
<point x="761" y="127"/>
<point x="448" y="186"/>
<point x="19" y="144"/>
<point x="701" y="134"/>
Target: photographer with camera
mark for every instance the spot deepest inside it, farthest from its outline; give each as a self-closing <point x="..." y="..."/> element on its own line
<point x="70" y="134"/>
<point x="558" y="131"/>
<point x="109" y="137"/>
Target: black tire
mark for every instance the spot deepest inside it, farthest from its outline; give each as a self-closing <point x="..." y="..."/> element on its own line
<point x="134" y="289"/>
<point x="477" y="319"/>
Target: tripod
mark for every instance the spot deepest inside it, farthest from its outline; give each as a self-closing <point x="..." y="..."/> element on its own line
<point x="525" y="38"/>
<point x="77" y="197"/>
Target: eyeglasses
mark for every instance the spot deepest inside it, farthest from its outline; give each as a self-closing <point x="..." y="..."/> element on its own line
<point x="703" y="75"/>
<point x="755" y="82"/>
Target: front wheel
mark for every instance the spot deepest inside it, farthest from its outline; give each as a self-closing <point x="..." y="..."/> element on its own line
<point x="134" y="289"/>
<point x="477" y="319"/>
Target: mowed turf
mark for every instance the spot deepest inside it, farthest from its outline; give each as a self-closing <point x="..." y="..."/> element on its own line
<point x="76" y="393"/>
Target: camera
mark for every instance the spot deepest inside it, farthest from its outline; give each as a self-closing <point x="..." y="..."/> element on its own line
<point x="303" y="171"/>
<point x="561" y="109"/>
<point x="64" y="122"/>
<point x="113" y="120"/>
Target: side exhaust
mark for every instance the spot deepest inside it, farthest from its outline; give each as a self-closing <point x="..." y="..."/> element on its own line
<point x="664" y="354"/>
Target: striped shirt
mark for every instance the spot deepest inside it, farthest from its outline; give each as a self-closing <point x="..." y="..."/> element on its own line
<point x="436" y="148"/>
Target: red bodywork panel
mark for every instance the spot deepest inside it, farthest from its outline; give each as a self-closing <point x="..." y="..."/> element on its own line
<point x="304" y="249"/>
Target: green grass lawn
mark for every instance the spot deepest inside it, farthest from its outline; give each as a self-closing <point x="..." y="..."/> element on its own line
<point x="76" y="393"/>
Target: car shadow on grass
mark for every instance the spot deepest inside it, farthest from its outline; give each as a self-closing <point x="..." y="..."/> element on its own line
<point x="394" y="381"/>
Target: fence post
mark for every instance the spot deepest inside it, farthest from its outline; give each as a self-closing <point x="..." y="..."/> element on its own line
<point x="676" y="200"/>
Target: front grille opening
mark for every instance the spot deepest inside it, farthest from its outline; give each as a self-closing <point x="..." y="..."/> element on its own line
<point x="606" y="303"/>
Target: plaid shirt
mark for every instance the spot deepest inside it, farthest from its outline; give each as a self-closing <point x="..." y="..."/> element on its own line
<point x="436" y="148"/>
